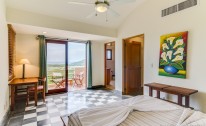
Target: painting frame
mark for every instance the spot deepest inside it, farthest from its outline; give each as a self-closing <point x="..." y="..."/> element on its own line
<point x="173" y="55"/>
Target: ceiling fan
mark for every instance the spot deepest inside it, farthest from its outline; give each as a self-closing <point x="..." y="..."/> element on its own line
<point x="102" y="6"/>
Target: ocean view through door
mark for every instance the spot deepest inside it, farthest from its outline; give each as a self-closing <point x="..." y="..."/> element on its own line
<point x="66" y="66"/>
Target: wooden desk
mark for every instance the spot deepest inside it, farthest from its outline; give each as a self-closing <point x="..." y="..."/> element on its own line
<point x="20" y="82"/>
<point x="179" y="91"/>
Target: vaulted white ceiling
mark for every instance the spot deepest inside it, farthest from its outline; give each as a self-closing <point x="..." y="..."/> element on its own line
<point x="62" y="34"/>
<point x="61" y="9"/>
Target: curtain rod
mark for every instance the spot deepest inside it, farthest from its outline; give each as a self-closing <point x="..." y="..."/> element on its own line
<point x="68" y="40"/>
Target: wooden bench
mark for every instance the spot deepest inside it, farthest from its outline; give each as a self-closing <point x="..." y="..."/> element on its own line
<point x="179" y="91"/>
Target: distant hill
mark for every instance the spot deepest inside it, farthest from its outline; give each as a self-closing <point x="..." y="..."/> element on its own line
<point x="78" y="63"/>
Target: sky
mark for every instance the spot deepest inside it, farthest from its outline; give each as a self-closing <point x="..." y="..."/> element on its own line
<point x="56" y="52"/>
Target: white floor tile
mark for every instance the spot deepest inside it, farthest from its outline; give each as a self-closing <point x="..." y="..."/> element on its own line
<point x="42" y="117"/>
<point x="30" y="108"/>
<point x="52" y="110"/>
<point x="41" y="109"/>
<point x="27" y="116"/>
<point x="98" y="103"/>
<point x="55" y="119"/>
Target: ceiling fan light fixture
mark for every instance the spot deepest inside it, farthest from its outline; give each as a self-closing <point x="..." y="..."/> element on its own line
<point x="101" y="7"/>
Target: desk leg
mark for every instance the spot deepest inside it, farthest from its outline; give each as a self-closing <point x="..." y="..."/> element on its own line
<point x="158" y="94"/>
<point x="12" y="97"/>
<point x="187" y="101"/>
<point x="35" y="94"/>
<point x="180" y="100"/>
<point x="150" y="91"/>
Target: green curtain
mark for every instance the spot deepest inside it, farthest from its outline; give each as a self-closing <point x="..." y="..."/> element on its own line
<point x="42" y="58"/>
<point x="89" y="65"/>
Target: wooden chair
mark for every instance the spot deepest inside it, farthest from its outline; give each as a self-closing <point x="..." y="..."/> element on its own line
<point x="78" y="79"/>
<point x="58" y="79"/>
<point x="40" y="89"/>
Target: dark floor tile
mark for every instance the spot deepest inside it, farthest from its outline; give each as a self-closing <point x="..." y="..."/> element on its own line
<point x="30" y="120"/>
<point x="16" y="121"/>
<point x="41" y="106"/>
<point x="42" y="113"/>
<point x="43" y="122"/>
<point x="30" y="111"/>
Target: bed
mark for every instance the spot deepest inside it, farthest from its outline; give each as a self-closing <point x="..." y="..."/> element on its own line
<point x="137" y="111"/>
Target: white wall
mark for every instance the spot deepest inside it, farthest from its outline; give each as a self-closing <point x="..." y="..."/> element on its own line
<point x="4" y="93"/>
<point x="147" y="19"/>
<point x="97" y="63"/>
<point x="27" y="47"/>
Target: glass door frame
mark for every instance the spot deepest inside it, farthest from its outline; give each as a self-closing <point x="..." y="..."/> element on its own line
<point x="66" y="65"/>
<point x="86" y="84"/>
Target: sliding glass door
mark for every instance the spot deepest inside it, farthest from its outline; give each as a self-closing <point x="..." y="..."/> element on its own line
<point x="57" y="66"/>
<point x="76" y="66"/>
<point x="66" y="66"/>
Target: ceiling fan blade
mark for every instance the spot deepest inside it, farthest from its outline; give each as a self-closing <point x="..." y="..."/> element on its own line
<point x="79" y="3"/>
<point x="113" y="12"/>
<point x="123" y="1"/>
<point x="92" y="15"/>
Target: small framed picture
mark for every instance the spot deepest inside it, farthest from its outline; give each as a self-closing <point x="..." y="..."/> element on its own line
<point x="109" y="54"/>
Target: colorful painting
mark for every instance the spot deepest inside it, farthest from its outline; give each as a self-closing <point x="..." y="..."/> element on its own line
<point x="173" y="53"/>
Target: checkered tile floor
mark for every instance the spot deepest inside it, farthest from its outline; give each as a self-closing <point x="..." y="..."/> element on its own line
<point x="49" y="113"/>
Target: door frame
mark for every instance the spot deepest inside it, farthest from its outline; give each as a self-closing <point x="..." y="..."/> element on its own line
<point x="66" y="65"/>
<point x="105" y="61"/>
<point x="123" y="62"/>
<point x="86" y="52"/>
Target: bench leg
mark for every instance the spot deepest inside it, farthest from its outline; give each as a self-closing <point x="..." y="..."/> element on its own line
<point x="158" y="94"/>
<point x="180" y="100"/>
<point x="150" y="91"/>
<point x="187" y="101"/>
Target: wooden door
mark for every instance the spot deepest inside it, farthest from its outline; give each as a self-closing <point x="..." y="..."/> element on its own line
<point x="132" y="68"/>
<point x="108" y="76"/>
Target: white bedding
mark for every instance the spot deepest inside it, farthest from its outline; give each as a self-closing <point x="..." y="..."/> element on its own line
<point x="117" y="113"/>
<point x="114" y="114"/>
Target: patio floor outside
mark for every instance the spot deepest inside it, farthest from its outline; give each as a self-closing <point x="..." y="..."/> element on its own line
<point x="76" y="77"/>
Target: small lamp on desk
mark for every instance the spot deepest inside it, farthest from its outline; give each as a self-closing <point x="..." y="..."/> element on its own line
<point x="23" y="62"/>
